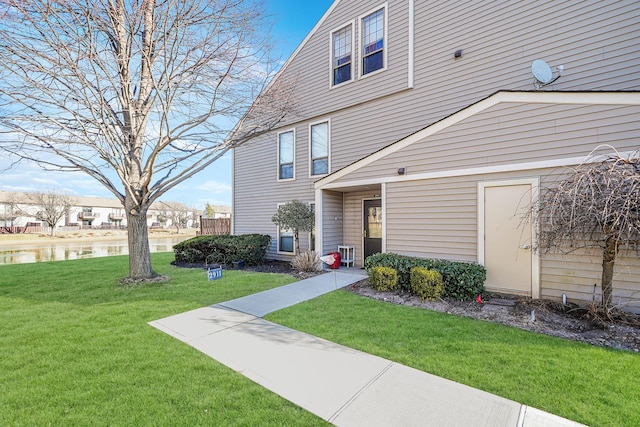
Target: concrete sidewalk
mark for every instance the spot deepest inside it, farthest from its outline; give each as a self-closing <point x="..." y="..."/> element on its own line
<point x="343" y="386"/>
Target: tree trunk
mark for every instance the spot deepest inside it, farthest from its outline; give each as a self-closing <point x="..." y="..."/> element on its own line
<point x="608" y="260"/>
<point x="296" y="242"/>
<point x="138" y="239"/>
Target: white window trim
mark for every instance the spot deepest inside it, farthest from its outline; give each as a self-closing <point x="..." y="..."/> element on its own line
<point x="328" y="122"/>
<point x="278" y="156"/>
<point x="278" y="238"/>
<point x="385" y="49"/>
<point x="354" y="57"/>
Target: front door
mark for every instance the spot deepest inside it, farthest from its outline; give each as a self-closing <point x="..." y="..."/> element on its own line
<point x="507" y="240"/>
<point x="372" y="227"/>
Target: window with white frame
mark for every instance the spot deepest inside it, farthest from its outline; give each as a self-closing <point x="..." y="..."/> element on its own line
<point x="319" y="134"/>
<point x="286" y="155"/>
<point x="373" y="35"/>
<point x="341" y="50"/>
<point x="285" y="240"/>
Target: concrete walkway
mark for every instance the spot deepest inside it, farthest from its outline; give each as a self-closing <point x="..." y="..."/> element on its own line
<point x="341" y="385"/>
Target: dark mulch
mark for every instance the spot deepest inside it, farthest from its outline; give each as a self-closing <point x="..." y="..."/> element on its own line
<point x="622" y="331"/>
<point x="269" y="266"/>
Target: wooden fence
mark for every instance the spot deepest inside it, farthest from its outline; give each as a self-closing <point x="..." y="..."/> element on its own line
<point x="209" y="226"/>
<point x="23" y="229"/>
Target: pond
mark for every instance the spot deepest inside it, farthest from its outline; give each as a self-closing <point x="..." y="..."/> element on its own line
<point x="61" y="251"/>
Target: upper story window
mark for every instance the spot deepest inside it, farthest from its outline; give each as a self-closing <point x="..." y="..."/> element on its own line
<point x="286" y="155"/>
<point x="319" y="134"/>
<point x="342" y="48"/>
<point x="373" y="35"/>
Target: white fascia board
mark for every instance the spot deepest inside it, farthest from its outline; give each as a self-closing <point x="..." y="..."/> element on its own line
<point x="566" y="98"/>
<point x="483" y="170"/>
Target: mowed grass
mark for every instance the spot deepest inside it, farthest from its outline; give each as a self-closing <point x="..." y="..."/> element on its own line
<point x="588" y="384"/>
<point x="75" y="349"/>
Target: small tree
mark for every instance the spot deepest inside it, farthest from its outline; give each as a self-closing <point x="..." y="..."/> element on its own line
<point x="177" y="213"/>
<point x="49" y="208"/>
<point x="295" y="216"/>
<point x="209" y="211"/>
<point x="596" y="205"/>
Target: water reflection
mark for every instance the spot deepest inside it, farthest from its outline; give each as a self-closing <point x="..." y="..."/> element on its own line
<point x="61" y="251"/>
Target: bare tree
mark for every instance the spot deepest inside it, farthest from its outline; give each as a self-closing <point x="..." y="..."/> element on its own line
<point x="597" y="204"/>
<point x="140" y="95"/>
<point x="48" y="207"/>
<point x="177" y="213"/>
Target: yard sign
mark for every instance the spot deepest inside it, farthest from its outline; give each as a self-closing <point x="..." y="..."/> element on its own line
<point x="215" y="273"/>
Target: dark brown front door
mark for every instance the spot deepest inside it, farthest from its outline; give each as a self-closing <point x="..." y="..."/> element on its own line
<point x="372" y="227"/>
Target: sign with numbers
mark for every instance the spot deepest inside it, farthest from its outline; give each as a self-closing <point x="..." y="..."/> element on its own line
<point x="215" y="273"/>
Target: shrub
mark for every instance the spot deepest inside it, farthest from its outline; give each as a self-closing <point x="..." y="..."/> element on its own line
<point x="223" y="249"/>
<point x="308" y="261"/>
<point x="427" y="284"/>
<point x="461" y="280"/>
<point x="383" y="279"/>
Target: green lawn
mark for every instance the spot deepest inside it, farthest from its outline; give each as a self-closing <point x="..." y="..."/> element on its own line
<point x="591" y="385"/>
<point x="75" y="349"/>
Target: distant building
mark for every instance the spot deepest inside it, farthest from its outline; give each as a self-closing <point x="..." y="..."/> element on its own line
<point x="17" y="210"/>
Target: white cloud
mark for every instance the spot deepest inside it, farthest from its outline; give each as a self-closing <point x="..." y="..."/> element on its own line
<point x="215" y="187"/>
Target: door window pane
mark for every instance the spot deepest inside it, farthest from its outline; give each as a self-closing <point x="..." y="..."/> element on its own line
<point x="374" y="223"/>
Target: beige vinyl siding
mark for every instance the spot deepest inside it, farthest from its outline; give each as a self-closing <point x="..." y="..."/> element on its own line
<point x="433" y="219"/>
<point x="575" y="275"/>
<point x="513" y="133"/>
<point x="332" y="221"/>
<point x="257" y="192"/>
<point x="314" y="61"/>
<point x="438" y="218"/>
<point x="597" y="42"/>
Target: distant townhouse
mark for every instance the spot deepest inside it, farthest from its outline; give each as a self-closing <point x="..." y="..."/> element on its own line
<point x="20" y="210"/>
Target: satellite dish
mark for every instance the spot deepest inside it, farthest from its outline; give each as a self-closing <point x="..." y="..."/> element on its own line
<point x="541" y="71"/>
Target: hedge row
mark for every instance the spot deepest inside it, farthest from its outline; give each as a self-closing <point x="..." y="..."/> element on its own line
<point x="461" y="280"/>
<point x="223" y="249"/>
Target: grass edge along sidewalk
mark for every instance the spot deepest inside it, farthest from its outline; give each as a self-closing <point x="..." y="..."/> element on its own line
<point x="591" y="385"/>
<point x="75" y="349"/>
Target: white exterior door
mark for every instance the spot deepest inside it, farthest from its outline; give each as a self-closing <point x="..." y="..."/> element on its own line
<point x="506" y="247"/>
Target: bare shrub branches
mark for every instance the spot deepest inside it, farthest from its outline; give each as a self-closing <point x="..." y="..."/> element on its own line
<point x="596" y="204"/>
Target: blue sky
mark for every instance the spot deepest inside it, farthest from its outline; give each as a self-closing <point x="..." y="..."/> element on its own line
<point x="292" y="22"/>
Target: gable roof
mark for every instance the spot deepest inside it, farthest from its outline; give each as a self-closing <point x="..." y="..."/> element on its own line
<point x="503" y="96"/>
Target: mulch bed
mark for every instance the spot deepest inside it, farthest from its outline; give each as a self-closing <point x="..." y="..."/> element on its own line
<point x="621" y="331"/>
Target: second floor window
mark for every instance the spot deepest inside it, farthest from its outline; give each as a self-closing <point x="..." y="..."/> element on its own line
<point x="341" y="59"/>
<point x="320" y="148"/>
<point x="373" y="42"/>
<point x="286" y="154"/>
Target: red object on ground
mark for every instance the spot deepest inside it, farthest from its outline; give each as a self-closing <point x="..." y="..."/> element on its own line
<point x="336" y="262"/>
<point x="479" y="299"/>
